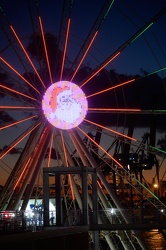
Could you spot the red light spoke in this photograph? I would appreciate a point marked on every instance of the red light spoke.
(19, 41)
(65, 48)
(17, 92)
(25, 80)
(111, 130)
(17, 107)
(113, 87)
(116, 110)
(101, 148)
(15, 123)
(18, 141)
(84, 56)
(23, 171)
(123, 46)
(45, 48)
(102, 67)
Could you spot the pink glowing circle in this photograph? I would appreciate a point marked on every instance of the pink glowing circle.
(64, 105)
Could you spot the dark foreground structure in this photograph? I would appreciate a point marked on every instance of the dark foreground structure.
(51, 238)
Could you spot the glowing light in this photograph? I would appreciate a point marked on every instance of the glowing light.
(45, 48)
(3, 60)
(17, 122)
(65, 48)
(102, 67)
(17, 142)
(17, 92)
(84, 55)
(111, 130)
(64, 105)
(114, 110)
(155, 185)
(22, 173)
(113, 87)
(118, 163)
(19, 41)
(17, 107)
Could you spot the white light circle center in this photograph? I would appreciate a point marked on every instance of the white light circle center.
(64, 105)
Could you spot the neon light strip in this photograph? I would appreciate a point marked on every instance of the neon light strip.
(19, 41)
(103, 66)
(45, 49)
(101, 148)
(84, 55)
(124, 83)
(20, 121)
(111, 130)
(154, 72)
(17, 107)
(64, 149)
(142, 32)
(19, 74)
(93, 33)
(22, 172)
(157, 149)
(108, 11)
(129, 41)
(137, 111)
(114, 110)
(113, 87)
(17, 92)
(17, 142)
(65, 48)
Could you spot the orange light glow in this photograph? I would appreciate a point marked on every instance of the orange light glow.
(99, 184)
(18, 141)
(14, 123)
(17, 107)
(111, 130)
(25, 80)
(17, 92)
(113, 87)
(45, 48)
(102, 67)
(65, 48)
(84, 56)
(115, 110)
(19, 41)
(23, 171)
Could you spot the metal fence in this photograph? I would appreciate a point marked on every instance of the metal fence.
(33, 220)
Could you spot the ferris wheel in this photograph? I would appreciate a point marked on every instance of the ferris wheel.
(65, 102)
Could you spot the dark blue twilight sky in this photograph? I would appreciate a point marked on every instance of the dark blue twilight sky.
(123, 20)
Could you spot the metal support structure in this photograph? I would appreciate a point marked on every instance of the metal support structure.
(58, 200)
(85, 196)
(58, 171)
(95, 211)
(110, 191)
(46, 199)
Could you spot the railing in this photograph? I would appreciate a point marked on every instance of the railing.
(33, 220)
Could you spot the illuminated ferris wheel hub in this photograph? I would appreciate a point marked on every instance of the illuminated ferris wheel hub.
(64, 105)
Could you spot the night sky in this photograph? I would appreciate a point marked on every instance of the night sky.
(123, 20)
